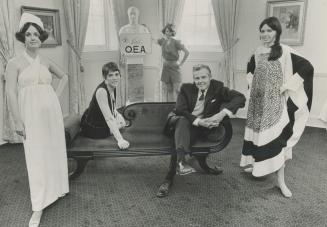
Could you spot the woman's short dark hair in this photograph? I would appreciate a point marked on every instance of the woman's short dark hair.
(109, 67)
(274, 24)
(20, 36)
(170, 27)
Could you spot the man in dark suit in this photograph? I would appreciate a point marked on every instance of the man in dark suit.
(200, 107)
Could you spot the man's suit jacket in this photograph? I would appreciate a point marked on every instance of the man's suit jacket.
(217, 98)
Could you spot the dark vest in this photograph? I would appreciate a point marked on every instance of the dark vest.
(93, 123)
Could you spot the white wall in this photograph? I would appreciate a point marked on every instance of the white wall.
(1, 103)
(315, 49)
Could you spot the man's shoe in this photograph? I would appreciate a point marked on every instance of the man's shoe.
(184, 169)
(216, 170)
(163, 190)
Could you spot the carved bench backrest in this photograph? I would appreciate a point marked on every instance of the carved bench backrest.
(148, 115)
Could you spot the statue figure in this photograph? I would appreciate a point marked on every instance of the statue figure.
(132, 43)
(133, 26)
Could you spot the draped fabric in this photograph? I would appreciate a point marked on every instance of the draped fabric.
(76, 16)
(275, 120)
(7, 132)
(170, 11)
(226, 15)
(120, 17)
(44, 146)
(120, 13)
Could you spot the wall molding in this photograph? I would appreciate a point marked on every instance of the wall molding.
(240, 71)
(151, 67)
(320, 75)
(314, 121)
(99, 56)
(202, 59)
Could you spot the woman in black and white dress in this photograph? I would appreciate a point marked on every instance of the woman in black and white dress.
(280, 83)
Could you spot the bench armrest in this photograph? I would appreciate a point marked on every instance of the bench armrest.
(228, 133)
(72, 127)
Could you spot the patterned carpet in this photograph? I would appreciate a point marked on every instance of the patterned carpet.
(121, 192)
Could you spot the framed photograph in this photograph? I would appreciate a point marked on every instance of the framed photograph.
(291, 15)
(51, 23)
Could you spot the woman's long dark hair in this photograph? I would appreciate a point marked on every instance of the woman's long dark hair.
(274, 24)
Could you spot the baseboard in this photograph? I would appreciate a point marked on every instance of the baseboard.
(316, 122)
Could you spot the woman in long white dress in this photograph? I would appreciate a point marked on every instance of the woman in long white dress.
(38, 117)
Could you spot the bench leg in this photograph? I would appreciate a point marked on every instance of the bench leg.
(202, 159)
(81, 163)
(166, 185)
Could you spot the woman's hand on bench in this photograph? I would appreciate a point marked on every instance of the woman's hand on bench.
(123, 144)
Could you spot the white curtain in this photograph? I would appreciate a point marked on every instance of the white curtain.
(226, 14)
(76, 16)
(120, 13)
(120, 16)
(170, 11)
(7, 25)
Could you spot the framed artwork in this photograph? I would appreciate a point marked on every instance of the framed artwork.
(51, 23)
(291, 15)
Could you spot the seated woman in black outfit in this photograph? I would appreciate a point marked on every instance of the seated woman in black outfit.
(101, 119)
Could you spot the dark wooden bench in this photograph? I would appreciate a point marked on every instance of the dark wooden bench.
(145, 133)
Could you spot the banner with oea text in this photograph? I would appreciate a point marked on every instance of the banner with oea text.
(135, 43)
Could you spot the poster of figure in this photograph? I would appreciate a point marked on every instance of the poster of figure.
(48, 23)
(51, 22)
(291, 14)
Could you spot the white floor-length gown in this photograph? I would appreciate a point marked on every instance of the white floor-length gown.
(45, 149)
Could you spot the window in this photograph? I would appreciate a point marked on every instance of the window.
(100, 24)
(198, 27)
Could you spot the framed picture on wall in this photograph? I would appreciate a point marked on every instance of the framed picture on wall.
(291, 15)
(51, 23)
